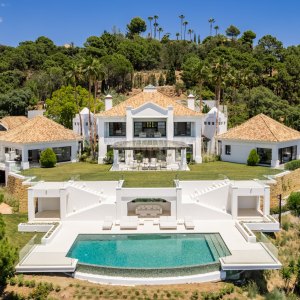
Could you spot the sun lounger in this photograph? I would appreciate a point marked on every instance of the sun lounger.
(189, 223)
(129, 223)
(167, 223)
(108, 223)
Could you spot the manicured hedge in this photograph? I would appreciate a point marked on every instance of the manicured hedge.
(292, 165)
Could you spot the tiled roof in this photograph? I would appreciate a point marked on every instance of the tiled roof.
(37, 130)
(144, 97)
(261, 128)
(11, 122)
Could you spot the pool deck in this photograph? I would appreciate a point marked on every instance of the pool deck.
(51, 257)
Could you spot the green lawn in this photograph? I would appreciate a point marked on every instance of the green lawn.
(17, 239)
(86, 171)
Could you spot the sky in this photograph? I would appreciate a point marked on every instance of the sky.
(66, 21)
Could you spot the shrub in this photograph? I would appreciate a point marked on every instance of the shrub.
(293, 203)
(252, 289)
(210, 158)
(48, 158)
(292, 165)
(13, 281)
(275, 295)
(8, 257)
(109, 157)
(42, 291)
(253, 158)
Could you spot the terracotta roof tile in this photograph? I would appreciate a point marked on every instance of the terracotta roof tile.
(11, 122)
(144, 97)
(37, 130)
(261, 128)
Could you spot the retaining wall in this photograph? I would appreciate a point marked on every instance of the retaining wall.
(285, 185)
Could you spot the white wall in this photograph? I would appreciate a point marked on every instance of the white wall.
(248, 202)
(85, 125)
(240, 150)
(48, 204)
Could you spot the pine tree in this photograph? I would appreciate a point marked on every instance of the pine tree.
(199, 41)
(161, 80)
(152, 80)
(171, 76)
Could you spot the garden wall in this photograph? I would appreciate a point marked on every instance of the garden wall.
(285, 185)
(16, 188)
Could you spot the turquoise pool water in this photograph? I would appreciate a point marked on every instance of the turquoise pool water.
(148, 251)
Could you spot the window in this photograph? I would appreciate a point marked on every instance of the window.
(117, 129)
(86, 123)
(208, 123)
(205, 123)
(287, 154)
(212, 123)
(62, 153)
(150, 129)
(182, 128)
(265, 156)
(228, 149)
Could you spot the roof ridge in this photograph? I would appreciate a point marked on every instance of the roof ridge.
(262, 117)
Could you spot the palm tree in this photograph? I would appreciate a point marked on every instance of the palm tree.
(177, 35)
(90, 69)
(98, 76)
(190, 31)
(200, 73)
(216, 28)
(185, 24)
(74, 74)
(160, 30)
(181, 23)
(219, 72)
(155, 28)
(155, 24)
(150, 21)
(211, 21)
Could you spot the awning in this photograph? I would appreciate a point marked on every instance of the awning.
(149, 145)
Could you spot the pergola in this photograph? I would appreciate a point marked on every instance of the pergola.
(150, 145)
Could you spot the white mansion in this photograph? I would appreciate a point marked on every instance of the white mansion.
(151, 130)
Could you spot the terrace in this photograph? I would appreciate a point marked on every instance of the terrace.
(205, 171)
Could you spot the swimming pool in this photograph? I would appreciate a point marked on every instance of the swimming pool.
(148, 251)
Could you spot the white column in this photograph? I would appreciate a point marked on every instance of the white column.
(116, 159)
(31, 208)
(197, 147)
(118, 203)
(74, 150)
(129, 124)
(266, 208)
(63, 203)
(102, 148)
(170, 123)
(234, 203)
(179, 202)
(25, 162)
(183, 159)
(275, 158)
(173, 209)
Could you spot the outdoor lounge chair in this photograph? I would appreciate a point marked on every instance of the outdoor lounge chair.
(129, 222)
(167, 222)
(108, 223)
(189, 223)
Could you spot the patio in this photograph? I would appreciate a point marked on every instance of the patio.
(152, 155)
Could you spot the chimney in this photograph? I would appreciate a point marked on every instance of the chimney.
(191, 102)
(108, 102)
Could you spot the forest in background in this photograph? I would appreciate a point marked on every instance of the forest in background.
(248, 78)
